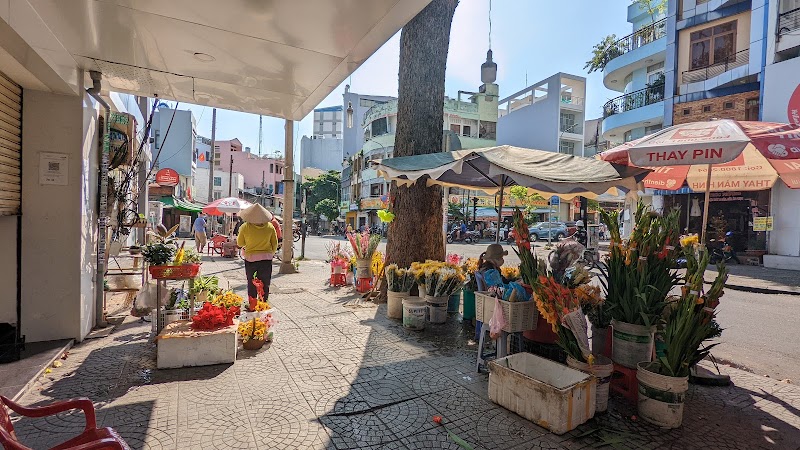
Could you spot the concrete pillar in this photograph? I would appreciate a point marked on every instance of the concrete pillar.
(288, 198)
(59, 221)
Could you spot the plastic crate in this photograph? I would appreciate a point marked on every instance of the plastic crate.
(625, 383)
(520, 316)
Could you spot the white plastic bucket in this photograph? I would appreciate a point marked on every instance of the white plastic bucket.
(602, 370)
(414, 314)
(437, 309)
(661, 397)
(631, 344)
(394, 304)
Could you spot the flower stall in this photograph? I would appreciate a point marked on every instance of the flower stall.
(339, 256)
(364, 246)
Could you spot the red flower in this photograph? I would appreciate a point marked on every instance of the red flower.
(253, 302)
(259, 287)
(437, 419)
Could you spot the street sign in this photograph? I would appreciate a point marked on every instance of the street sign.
(555, 200)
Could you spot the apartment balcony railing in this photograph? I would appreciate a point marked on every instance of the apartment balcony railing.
(573, 101)
(574, 129)
(633, 100)
(638, 38)
(788, 21)
(703, 73)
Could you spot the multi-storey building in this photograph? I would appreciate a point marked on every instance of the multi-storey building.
(781, 103)
(470, 121)
(230, 156)
(355, 106)
(547, 115)
(328, 122)
(637, 72)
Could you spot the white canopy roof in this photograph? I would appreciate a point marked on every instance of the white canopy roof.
(279, 58)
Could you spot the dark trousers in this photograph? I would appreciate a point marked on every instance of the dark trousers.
(263, 270)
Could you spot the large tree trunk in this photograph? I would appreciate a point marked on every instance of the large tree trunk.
(416, 232)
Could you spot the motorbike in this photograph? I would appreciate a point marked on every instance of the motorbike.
(722, 251)
(470, 237)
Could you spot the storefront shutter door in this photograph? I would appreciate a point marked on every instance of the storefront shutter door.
(10, 146)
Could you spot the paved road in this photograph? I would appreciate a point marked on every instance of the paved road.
(315, 248)
(760, 330)
(760, 333)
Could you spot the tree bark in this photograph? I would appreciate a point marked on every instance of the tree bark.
(416, 232)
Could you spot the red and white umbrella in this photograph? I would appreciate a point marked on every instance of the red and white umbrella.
(227, 205)
(718, 155)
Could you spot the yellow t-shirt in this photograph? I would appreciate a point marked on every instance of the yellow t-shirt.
(257, 238)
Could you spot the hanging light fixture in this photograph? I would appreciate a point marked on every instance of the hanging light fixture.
(349, 114)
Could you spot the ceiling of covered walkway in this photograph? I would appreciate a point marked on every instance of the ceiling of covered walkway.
(275, 57)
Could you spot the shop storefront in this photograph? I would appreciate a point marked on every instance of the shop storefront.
(732, 211)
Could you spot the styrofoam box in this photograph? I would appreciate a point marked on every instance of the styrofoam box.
(545, 392)
(198, 350)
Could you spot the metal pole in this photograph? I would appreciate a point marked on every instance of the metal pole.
(303, 227)
(288, 197)
(550, 221)
(262, 187)
(211, 159)
(260, 121)
(500, 210)
(230, 179)
(705, 206)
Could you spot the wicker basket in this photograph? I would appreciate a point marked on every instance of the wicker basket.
(520, 316)
(174, 272)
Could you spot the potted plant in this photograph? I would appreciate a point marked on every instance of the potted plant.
(689, 322)
(255, 332)
(470, 267)
(398, 285)
(204, 288)
(173, 310)
(638, 276)
(159, 255)
(560, 303)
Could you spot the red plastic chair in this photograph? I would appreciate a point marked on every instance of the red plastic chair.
(92, 438)
(215, 245)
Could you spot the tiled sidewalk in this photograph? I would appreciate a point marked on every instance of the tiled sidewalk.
(340, 378)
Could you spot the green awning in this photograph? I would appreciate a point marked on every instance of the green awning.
(181, 204)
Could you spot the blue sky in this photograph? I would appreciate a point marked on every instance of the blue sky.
(531, 39)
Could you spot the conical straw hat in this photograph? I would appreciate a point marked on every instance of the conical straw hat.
(256, 214)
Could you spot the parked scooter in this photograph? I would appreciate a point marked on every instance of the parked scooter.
(469, 237)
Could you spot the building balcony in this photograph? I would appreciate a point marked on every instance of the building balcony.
(573, 103)
(639, 49)
(720, 74)
(633, 110)
(787, 36)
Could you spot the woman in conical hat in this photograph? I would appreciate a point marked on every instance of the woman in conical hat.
(259, 240)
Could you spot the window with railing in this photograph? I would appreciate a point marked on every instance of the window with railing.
(703, 73)
(712, 45)
(788, 16)
(636, 99)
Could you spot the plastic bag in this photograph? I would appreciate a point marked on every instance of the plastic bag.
(497, 322)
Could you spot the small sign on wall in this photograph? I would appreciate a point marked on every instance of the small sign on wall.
(53, 168)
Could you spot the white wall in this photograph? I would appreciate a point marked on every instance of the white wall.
(781, 84)
(58, 222)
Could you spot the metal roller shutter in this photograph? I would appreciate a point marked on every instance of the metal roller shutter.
(10, 146)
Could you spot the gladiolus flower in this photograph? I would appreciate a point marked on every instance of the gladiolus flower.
(437, 419)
